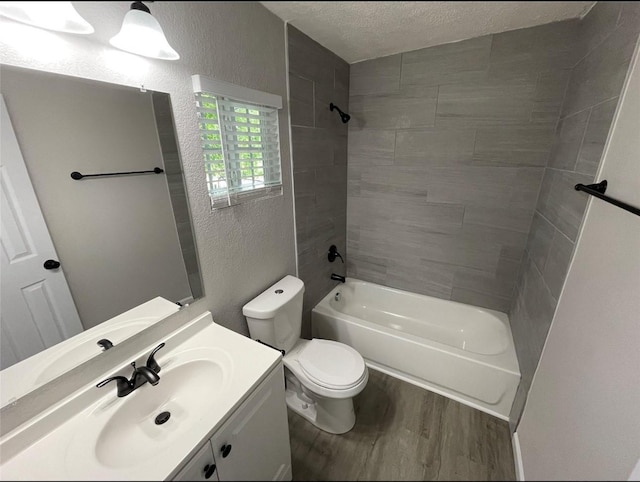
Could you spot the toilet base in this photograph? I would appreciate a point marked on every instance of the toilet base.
(335, 416)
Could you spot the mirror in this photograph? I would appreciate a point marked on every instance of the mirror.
(78, 255)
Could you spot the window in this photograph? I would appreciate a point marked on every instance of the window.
(240, 141)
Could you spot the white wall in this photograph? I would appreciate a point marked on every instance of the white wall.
(115, 237)
(582, 418)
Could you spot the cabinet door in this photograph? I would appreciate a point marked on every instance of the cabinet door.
(202, 466)
(254, 443)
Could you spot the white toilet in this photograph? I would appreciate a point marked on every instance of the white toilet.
(322, 376)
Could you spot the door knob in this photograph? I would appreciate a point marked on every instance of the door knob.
(51, 264)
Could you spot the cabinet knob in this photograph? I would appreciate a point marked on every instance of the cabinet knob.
(226, 450)
(209, 470)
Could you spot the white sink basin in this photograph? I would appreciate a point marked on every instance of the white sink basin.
(184, 392)
(120, 434)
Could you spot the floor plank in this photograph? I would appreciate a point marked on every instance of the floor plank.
(403, 432)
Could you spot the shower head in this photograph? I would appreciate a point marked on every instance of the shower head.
(344, 116)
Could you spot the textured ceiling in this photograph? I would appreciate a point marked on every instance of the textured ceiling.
(364, 30)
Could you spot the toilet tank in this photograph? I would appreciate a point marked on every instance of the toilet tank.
(275, 316)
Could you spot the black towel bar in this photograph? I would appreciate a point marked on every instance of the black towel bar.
(77, 176)
(598, 191)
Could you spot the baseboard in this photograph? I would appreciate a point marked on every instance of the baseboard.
(517, 456)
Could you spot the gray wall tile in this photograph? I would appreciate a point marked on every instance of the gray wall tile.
(319, 139)
(432, 278)
(309, 59)
(377, 76)
(597, 26)
(547, 101)
(471, 297)
(555, 269)
(560, 203)
(605, 44)
(569, 140)
(532, 320)
(630, 15)
(412, 106)
(371, 147)
(341, 75)
(340, 148)
(514, 219)
(515, 146)
(540, 238)
(599, 76)
(465, 61)
(301, 103)
(485, 103)
(433, 147)
(526, 52)
(389, 183)
(484, 186)
(595, 137)
(499, 282)
(311, 147)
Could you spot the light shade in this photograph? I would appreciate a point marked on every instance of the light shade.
(58, 16)
(142, 34)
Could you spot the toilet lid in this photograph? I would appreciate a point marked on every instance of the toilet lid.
(331, 364)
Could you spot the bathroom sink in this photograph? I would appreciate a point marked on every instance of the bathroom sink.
(206, 371)
(121, 432)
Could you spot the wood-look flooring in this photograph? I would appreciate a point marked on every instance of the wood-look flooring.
(403, 432)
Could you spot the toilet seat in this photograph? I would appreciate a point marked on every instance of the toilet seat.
(328, 368)
(331, 364)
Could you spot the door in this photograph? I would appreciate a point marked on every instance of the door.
(36, 307)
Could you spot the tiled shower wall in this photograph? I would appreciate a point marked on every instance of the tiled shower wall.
(318, 77)
(607, 37)
(447, 150)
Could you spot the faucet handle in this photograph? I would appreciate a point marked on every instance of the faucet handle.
(124, 385)
(151, 361)
(333, 254)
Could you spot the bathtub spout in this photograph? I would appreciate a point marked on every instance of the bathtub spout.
(337, 277)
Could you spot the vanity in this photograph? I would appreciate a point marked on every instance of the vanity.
(217, 413)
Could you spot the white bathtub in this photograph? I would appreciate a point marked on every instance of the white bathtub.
(460, 351)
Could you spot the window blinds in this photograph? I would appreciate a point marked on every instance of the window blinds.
(241, 148)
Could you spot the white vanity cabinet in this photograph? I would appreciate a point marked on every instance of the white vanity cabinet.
(252, 444)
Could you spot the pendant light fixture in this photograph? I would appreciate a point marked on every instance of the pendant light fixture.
(142, 34)
(58, 16)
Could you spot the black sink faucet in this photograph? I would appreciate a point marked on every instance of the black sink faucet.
(337, 277)
(140, 376)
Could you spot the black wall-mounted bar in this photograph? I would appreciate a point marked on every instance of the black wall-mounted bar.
(598, 191)
(75, 175)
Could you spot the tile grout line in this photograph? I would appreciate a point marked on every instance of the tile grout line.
(584, 136)
(590, 107)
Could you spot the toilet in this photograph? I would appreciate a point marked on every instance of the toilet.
(322, 376)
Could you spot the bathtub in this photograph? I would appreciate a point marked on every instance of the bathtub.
(460, 351)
